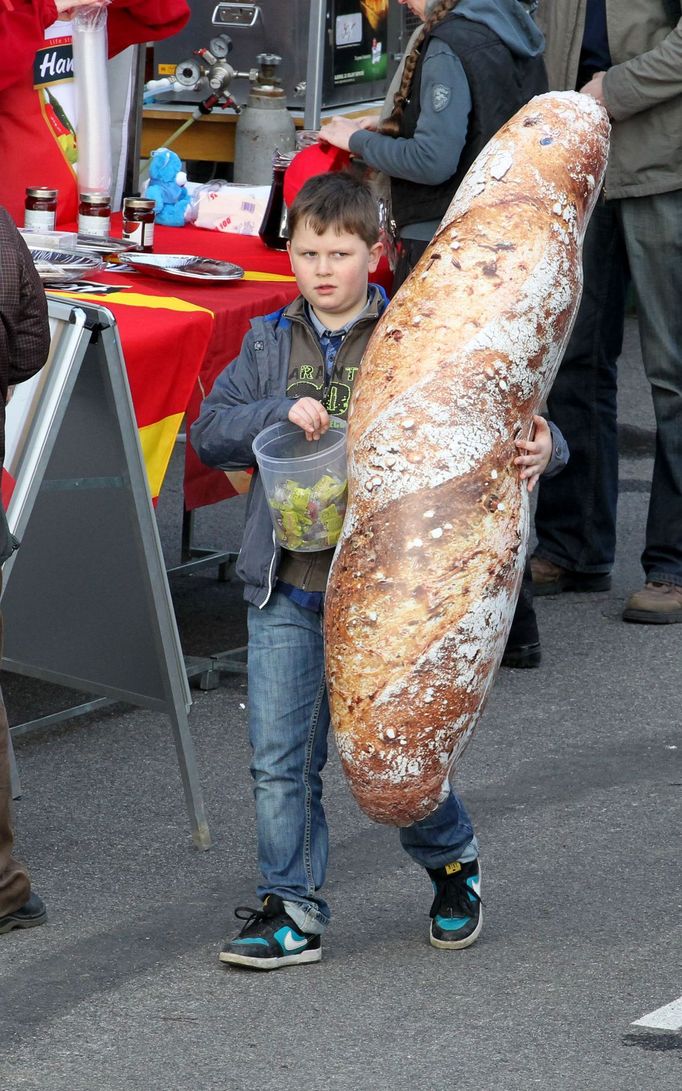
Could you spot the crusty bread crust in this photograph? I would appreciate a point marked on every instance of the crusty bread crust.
(426, 574)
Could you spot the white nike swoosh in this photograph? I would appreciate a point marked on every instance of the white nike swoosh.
(291, 944)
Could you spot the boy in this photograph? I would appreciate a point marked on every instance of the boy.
(299, 364)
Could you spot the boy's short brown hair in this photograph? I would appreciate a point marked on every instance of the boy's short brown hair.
(337, 200)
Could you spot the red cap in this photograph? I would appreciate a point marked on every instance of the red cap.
(316, 159)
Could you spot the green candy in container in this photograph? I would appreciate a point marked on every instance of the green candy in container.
(305, 483)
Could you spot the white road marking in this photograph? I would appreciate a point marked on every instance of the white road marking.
(666, 1018)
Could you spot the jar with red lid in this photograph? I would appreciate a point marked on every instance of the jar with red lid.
(40, 209)
(94, 214)
(138, 222)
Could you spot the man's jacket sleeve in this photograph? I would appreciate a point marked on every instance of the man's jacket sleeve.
(30, 328)
(560, 453)
(646, 80)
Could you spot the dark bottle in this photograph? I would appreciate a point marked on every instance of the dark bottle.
(273, 230)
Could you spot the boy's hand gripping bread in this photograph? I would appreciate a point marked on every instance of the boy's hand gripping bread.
(424, 581)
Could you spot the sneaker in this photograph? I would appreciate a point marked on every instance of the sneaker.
(270, 939)
(522, 655)
(456, 916)
(657, 603)
(552, 579)
(31, 914)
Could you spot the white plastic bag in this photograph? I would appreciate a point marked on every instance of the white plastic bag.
(226, 206)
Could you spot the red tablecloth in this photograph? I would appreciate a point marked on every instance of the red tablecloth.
(233, 306)
(177, 337)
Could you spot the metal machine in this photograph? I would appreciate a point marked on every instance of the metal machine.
(264, 126)
(362, 43)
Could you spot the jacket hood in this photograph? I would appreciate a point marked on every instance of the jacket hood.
(509, 19)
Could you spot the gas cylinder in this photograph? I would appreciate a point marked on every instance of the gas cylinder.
(263, 127)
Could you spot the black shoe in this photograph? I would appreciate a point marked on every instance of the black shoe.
(456, 916)
(31, 914)
(522, 655)
(270, 939)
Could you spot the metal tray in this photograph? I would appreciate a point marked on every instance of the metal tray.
(64, 265)
(185, 267)
(103, 244)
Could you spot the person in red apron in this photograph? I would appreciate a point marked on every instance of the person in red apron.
(37, 89)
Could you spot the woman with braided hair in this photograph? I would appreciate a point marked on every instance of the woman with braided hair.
(474, 64)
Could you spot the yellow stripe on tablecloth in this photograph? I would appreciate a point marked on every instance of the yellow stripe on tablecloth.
(157, 447)
(136, 299)
(251, 274)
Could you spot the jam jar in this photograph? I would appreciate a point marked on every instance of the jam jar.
(138, 222)
(40, 209)
(273, 230)
(94, 214)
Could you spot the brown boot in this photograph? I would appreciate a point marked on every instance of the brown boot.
(656, 604)
(551, 579)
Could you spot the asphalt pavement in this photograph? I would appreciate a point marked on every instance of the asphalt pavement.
(574, 781)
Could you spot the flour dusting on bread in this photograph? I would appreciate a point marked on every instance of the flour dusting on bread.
(425, 577)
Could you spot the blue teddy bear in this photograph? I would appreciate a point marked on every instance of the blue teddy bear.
(167, 187)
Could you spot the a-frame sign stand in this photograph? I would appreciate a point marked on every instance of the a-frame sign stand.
(86, 599)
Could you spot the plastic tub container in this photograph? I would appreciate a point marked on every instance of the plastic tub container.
(305, 483)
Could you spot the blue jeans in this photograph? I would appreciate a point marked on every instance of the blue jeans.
(638, 239)
(288, 727)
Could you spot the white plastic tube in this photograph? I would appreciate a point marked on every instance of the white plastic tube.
(92, 95)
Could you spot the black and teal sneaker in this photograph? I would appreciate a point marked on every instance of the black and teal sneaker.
(270, 939)
(456, 911)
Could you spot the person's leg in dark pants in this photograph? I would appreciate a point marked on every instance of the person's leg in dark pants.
(652, 228)
(575, 518)
(18, 907)
(523, 642)
(15, 886)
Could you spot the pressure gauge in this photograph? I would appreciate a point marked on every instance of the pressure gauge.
(220, 46)
(188, 73)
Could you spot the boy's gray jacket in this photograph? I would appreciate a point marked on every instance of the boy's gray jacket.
(247, 396)
(643, 89)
